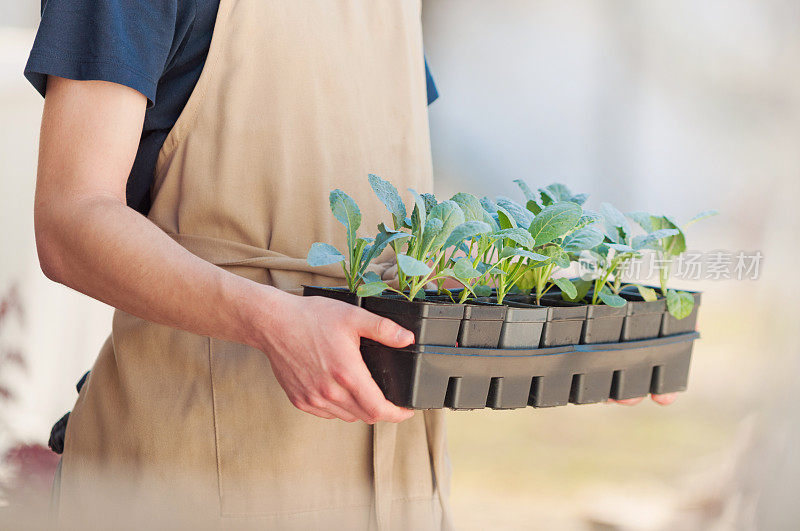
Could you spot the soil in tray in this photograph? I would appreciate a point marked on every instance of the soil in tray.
(643, 319)
(340, 294)
(433, 323)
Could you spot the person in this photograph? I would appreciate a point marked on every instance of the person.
(186, 154)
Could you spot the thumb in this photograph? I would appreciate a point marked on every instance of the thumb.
(382, 330)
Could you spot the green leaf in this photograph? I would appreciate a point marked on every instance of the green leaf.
(561, 259)
(566, 286)
(432, 230)
(701, 216)
(583, 239)
(527, 281)
(451, 215)
(617, 226)
(464, 270)
(517, 235)
(381, 241)
(390, 197)
(609, 299)
(467, 230)
(489, 220)
(648, 294)
(322, 254)
(489, 205)
(643, 219)
(673, 245)
(420, 213)
(412, 267)
(370, 276)
(533, 206)
(470, 205)
(372, 289)
(679, 303)
(505, 218)
(582, 289)
(529, 194)
(620, 247)
(589, 217)
(430, 202)
(482, 290)
(558, 191)
(645, 240)
(521, 215)
(514, 251)
(554, 221)
(346, 211)
(579, 199)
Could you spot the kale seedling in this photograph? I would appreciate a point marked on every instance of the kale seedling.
(435, 228)
(679, 303)
(360, 251)
(617, 249)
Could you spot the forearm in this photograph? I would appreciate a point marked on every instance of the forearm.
(102, 248)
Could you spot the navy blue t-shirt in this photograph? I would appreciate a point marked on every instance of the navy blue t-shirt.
(157, 47)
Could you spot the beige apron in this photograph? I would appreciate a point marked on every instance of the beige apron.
(297, 97)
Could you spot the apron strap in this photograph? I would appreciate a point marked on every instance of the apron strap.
(228, 253)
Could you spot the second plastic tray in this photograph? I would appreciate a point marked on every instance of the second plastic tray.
(433, 377)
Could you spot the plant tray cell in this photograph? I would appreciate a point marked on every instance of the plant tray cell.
(643, 319)
(431, 377)
(432, 323)
(481, 325)
(603, 324)
(522, 327)
(671, 326)
(340, 294)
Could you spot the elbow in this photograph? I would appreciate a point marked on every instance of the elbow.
(50, 252)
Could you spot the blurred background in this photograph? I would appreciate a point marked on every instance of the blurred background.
(673, 107)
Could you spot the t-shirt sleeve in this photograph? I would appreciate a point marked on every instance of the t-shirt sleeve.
(433, 93)
(121, 41)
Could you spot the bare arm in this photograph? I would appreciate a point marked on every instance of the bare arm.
(88, 239)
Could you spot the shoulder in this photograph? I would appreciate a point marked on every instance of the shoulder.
(112, 40)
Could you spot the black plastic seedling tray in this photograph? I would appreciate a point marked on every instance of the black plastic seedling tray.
(340, 294)
(433, 323)
(433, 377)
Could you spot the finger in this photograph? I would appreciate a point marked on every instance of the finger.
(335, 411)
(320, 413)
(370, 397)
(382, 330)
(343, 400)
(665, 399)
(629, 401)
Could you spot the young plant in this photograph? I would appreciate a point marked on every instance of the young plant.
(562, 228)
(360, 251)
(435, 228)
(679, 303)
(542, 251)
(617, 249)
